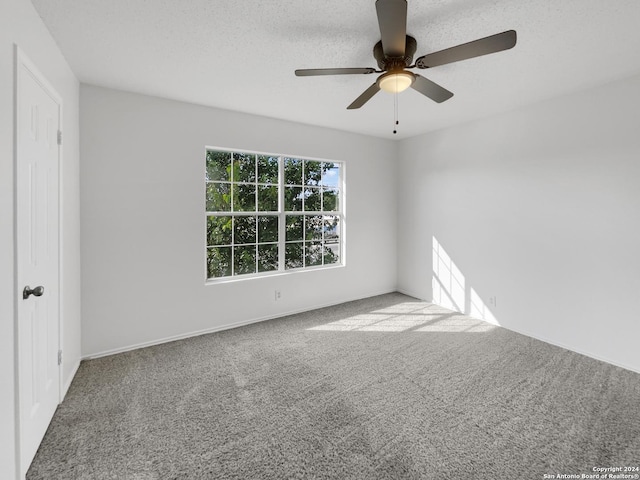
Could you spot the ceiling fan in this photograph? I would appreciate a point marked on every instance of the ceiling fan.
(394, 54)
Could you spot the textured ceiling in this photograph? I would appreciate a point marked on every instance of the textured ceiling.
(241, 55)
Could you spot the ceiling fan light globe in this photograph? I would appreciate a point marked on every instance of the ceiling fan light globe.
(396, 82)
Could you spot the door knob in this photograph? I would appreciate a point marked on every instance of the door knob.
(37, 292)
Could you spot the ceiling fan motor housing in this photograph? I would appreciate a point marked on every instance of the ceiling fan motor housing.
(395, 63)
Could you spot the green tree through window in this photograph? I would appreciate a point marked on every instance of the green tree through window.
(270, 213)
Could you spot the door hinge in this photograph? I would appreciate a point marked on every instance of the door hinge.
(59, 357)
(59, 137)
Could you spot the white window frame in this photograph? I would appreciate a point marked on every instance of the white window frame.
(281, 214)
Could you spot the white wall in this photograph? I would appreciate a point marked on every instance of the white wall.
(143, 224)
(538, 208)
(20, 24)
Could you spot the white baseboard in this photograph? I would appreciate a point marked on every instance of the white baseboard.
(228, 326)
(566, 347)
(67, 384)
(315, 307)
(575, 350)
(410, 293)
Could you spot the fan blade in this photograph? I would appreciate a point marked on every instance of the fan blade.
(392, 20)
(365, 97)
(492, 44)
(311, 72)
(430, 89)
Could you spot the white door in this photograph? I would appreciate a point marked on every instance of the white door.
(37, 216)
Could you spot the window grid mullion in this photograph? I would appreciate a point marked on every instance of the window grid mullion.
(255, 207)
(304, 217)
(233, 219)
(282, 227)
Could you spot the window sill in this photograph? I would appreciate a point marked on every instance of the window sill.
(255, 276)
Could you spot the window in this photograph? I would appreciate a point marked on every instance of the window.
(271, 213)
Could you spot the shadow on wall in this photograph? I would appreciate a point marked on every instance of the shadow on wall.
(449, 289)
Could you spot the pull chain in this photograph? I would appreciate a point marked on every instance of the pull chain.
(395, 112)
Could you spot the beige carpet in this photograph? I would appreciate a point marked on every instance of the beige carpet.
(383, 388)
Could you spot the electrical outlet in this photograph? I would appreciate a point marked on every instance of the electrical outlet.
(277, 295)
(493, 301)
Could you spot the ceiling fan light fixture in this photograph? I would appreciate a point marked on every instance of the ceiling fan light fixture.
(396, 82)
